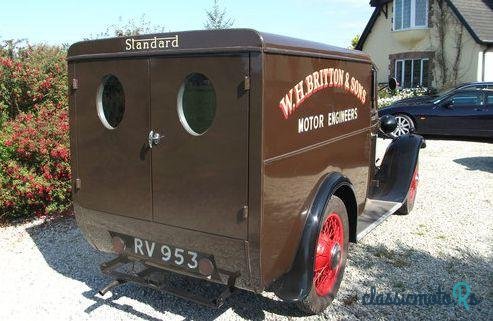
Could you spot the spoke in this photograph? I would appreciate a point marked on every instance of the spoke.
(331, 233)
(323, 274)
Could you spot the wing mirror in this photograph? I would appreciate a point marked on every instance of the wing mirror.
(392, 83)
(388, 124)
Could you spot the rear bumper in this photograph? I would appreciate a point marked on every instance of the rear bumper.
(230, 255)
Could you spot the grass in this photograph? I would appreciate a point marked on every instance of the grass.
(422, 230)
(399, 260)
(350, 300)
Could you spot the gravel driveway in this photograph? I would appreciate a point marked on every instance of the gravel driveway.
(49, 272)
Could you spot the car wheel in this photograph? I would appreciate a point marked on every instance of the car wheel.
(405, 125)
(408, 204)
(330, 258)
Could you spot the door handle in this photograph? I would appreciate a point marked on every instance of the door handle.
(479, 109)
(154, 138)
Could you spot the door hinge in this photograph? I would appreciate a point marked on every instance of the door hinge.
(78, 184)
(75, 84)
(244, 213)
(375, 183)
(246, 83)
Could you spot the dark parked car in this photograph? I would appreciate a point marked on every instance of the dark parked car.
(466, 110)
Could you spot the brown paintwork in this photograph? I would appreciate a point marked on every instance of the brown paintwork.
(112, 172)
(294, 163)
(188, 191)
(184, 167)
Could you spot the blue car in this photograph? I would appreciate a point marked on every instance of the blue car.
(466, 110)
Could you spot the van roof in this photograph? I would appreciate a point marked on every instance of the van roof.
(207, 41)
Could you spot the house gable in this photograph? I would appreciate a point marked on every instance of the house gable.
(421, 55)
(475, 15)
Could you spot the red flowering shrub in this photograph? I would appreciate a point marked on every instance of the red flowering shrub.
(34, 142)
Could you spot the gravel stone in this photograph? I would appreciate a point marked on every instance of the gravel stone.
(49, 272)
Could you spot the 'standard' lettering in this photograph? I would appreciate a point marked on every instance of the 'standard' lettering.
(152, 43)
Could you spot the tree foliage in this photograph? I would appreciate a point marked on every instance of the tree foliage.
(354, 41)
(132, 27)
(217, 18)
(34, 141)
(447, 28)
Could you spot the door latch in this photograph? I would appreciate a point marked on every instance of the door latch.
(75, 84)
(246, 83)
(154, 138)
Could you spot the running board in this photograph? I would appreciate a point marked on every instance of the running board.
(142, 278)
(375, 212)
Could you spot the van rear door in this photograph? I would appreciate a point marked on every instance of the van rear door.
(112, 115)
(200, 166)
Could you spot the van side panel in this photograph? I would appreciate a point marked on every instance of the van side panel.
(316, 121)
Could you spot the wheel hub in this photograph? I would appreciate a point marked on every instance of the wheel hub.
(335, 256)
(404, 125)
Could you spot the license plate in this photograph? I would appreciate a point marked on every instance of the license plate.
(165, 254)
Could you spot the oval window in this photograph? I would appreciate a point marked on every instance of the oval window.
(196, 104)
(111, 102)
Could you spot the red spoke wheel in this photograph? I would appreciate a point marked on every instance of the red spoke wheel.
(330, 257)
(328, 254)
(408, 204)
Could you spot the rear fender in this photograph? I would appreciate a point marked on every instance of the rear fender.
(296, 284)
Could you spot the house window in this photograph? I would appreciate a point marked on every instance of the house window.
(409, 14)
(411, 73)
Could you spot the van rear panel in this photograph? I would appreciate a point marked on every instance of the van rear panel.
(196, 181)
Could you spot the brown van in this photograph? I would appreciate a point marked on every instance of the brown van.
(238, 157)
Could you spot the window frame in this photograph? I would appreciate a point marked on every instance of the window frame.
(401, 77)
(478, 93)
(181, 109)
(413, 16)
(102, 108)
(487, 93)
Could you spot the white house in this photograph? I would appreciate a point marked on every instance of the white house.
(437, 43)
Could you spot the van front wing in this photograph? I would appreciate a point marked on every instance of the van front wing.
(391, 182)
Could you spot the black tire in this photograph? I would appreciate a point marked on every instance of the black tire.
(314, 303)
(408, 204)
